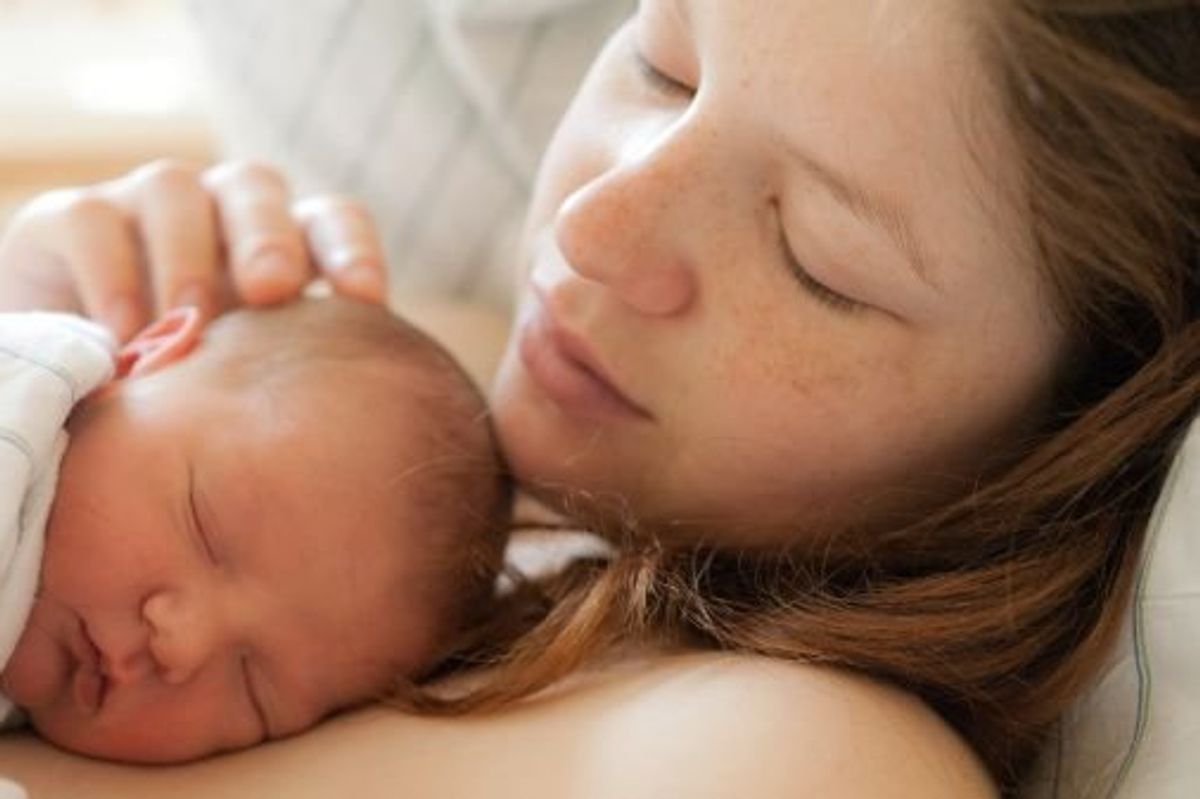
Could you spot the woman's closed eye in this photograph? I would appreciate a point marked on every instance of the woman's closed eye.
(818, 290)
(657, 79)
(810, 284)
(664, 84)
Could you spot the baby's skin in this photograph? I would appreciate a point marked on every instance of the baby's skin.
(232, 553)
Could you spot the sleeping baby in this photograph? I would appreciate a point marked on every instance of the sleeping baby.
(252, 525)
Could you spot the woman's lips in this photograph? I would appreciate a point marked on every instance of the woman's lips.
(563, 366)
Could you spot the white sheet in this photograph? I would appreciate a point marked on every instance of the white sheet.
(1136, 735)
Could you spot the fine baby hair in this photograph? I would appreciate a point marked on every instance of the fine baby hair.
(464, 495)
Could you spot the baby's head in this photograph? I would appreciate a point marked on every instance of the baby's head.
(254, 534)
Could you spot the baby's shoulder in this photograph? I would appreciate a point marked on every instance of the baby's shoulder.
(732, 725)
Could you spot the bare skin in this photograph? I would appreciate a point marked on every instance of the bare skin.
(628, 729)
(634, 732)
(812, 342)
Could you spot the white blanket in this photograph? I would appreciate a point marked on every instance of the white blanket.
(48, 362)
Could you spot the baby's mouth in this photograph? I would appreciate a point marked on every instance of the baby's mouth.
(88, 685)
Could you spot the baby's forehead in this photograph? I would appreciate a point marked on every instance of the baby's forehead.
(388, 405)
(354, 375)
(288, 351)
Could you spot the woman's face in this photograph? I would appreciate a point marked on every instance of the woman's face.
(775, 275)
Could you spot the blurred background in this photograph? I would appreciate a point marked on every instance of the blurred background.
(89, 88)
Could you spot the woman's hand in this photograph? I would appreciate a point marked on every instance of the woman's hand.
(169, 234)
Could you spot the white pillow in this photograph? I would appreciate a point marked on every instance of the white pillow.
(1136, 735)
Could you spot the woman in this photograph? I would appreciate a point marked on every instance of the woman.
(856, 364)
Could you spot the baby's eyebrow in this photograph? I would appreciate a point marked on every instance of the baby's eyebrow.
(870, 209)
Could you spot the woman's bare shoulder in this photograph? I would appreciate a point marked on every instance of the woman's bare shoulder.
(696, 725)
(724, 725)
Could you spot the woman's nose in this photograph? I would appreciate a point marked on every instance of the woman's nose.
(635, 230)
(185, 632)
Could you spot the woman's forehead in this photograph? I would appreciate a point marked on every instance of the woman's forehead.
(883, 24)
(872, 71)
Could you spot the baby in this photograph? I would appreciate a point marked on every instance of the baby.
(253, 525)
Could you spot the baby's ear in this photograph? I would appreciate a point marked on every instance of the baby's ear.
(160, 344)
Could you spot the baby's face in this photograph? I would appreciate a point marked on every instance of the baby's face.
(221, 568)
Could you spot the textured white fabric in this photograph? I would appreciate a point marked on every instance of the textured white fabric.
(434, 112)
(1136, 735)
(48, 362)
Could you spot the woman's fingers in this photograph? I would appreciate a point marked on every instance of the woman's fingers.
(264, 245)
(169, 234)
(180, 236)
(344, 242)
(97, 241)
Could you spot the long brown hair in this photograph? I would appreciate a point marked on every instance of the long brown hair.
(999, 608)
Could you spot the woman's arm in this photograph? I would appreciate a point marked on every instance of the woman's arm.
(695, 726)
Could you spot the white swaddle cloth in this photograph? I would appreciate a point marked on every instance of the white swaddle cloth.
(48, 362)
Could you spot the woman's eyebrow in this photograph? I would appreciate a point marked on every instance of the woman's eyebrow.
(871, 210)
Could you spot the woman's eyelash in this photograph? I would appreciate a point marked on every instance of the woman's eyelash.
(815, 288)
(824, 294)
(838, 302)
(659, 79)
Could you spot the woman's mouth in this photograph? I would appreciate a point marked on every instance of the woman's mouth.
(564, 367)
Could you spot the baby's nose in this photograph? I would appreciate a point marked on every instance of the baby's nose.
(184, 634)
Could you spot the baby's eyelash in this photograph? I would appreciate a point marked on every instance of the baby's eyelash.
(197, 525)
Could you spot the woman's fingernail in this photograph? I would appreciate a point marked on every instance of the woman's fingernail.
(363, 279)
(270, 277)
(271, 264)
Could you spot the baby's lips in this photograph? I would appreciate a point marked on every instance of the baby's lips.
(88, 683)
(87, 687)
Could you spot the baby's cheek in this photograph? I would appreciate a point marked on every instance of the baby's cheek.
(151, 724)
(37, 672)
